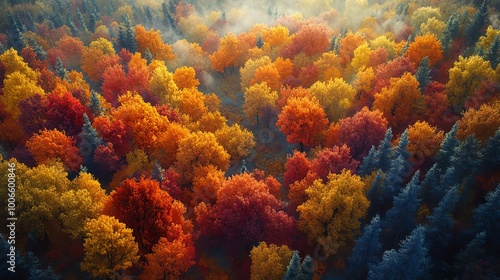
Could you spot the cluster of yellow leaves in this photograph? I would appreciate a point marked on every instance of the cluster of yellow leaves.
(227, 54)
(199, 149)
(235, 140)
(206, 182)
(257, 97)
(185, 77)
(269, 261)
(466, 76)
(163, 86)
(336, 96)
(482, 123)
(109, 247)
(424, 140)
(400, 100)
(331, 214)
(485, 41)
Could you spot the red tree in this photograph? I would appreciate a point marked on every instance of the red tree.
(296, 168)
(245, 212)
(149, 211)
(64, 113)
(333, 160)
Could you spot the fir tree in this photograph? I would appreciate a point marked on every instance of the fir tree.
(157, 172)
(401, 218)
(447, 148)
(3, 48)
(471, 253)
(423, 74)
(450, 31)
(90, 141)
(31, 22)
(92, 22)
(366, 251)
(307, 268)
(16, 40)
(260, 42)
(81, 20)
(40, 52)
(95, 104)
(293, 269)
(492, 55)
(446, 181)
(369, 164)
(384, 151)
(148, 55)
(402, 150)
(410, 262)
(491, 153)
(126, 36)
(406, 46)
(395, 176)
(60, 70)
(486, 217)
(479, 19)
(431, 181)
(441, 221)
(466, 160)
(377, 191)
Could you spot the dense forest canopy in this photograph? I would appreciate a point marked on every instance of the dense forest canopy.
(307, 139)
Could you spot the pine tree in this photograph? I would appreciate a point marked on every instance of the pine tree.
(492, 55)
(491, 152)
(401, 218)
(81, 20)
(60, 70)
(293, 269)
(410, 262)
(377, 191)
(384, 151)
(486, 217)
(366, 251)
(369, 163)
(260, 42)
(307, 268)
(467, 160)
(31, 22)
(395, 176)
(431, 181)
(447, 148)
(40, 52)
(95, 104)
(90, 141)
(126, 36)
(446, 181)
(92, 22)
(479, 19)
(407, 45)
(450, 31)
(441, 221)
(157, 172)
(471, 253)
(148, 55)
(402, 150)
(423, 74)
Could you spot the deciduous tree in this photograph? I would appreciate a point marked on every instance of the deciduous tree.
(269, 261)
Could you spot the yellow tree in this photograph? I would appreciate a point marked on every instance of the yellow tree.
(235, 140)
(38, 196)
(207, 181)
(192, 104)
(247, 72)
(109, 247)
(14, 62)
(361, 57)
(328, 66)
(163, 86)
(401, 101)
(17, 87)
(269, 261)
(267, 74)
(482, 123)
(258, 97)
(336, 96)
(83, 202)
(466, 76)
(424, 140)
(199, 149)
(331, 214)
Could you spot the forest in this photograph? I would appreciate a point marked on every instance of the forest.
(266, 139)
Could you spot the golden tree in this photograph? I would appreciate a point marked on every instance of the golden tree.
(258, 97)
(109, 247)
(331, 214)
(269, 261)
